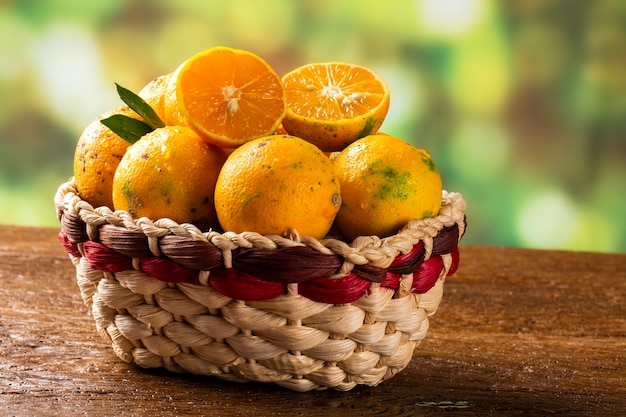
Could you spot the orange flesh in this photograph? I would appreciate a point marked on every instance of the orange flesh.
(232, 95)
(333, 91)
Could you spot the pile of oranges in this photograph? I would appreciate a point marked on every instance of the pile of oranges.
(225, 143)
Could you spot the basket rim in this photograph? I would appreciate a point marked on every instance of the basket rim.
(371, 250)
(249, 266)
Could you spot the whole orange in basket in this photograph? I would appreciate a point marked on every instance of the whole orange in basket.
(160, 94)
(154, 93)
(97, 154)
(385, 182)
(170, 172)
(333, 104)
(277, 183)
(229, 96)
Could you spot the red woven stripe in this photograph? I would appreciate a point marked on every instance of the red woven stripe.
(426, 276)
(456, 259)
(166, 270)
(104, 259)
(409, 262)
(241, 286)
(392, 280)
(423, 279)
(400, 259)
(334, 290)
(70, 247)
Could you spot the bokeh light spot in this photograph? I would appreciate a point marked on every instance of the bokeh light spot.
(407, 101)
(481, 148)
(480, 83)
(548, 220)
(450, 18)
(70, 71)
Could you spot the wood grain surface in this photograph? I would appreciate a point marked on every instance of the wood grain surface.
(519, 332)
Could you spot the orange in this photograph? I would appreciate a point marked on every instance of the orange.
(97, 154)
(170, 172)
(385, 182)
(229, 96)
(154, 94)
(274, 184)
(172, 114)
(333, 104)
(160, 94)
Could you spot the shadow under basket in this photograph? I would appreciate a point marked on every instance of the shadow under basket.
(302, 313)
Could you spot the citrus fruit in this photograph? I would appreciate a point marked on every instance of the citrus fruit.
(273, 184)
(172, 114)
(154, 94)
(160, 94)
(385, 182)
(333, 104)
(97, 154)
(229, 96)
(170, 172)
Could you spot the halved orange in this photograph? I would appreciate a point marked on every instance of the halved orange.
(229, 96)
(333, 104)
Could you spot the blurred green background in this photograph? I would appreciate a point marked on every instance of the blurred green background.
(522, 104)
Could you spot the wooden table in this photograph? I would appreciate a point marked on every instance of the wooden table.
(519, 332)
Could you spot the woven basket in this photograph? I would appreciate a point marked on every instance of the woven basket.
(298, 312)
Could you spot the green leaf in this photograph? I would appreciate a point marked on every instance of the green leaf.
(129, 129)
(140, 107)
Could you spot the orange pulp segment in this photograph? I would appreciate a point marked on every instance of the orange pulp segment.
(230, 96)
(333, 104)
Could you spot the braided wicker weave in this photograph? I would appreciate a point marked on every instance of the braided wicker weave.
(301, 313)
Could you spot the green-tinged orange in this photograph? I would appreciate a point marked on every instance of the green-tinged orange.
(385, 182)
(169, 173)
